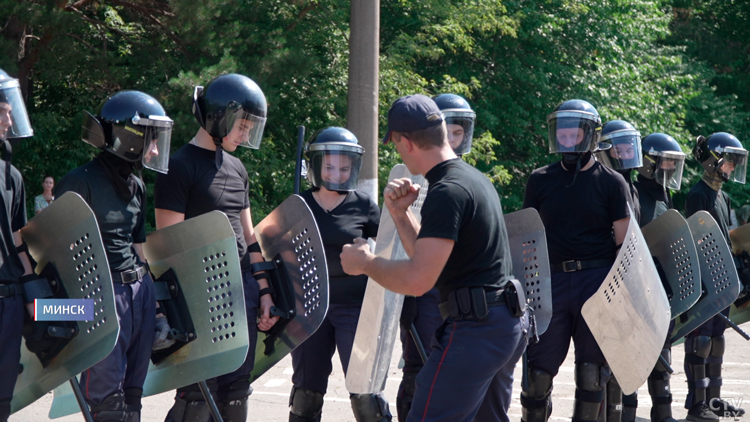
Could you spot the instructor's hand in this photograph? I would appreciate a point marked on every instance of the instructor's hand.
(266, 321)
(354, 256)
(399, 194)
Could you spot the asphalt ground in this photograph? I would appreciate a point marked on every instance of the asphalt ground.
(269, 401)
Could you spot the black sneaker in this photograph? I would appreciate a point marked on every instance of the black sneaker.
(701, 413)
(723, 409)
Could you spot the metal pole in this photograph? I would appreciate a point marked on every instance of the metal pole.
(362, 114)
(81, 400)
(210, 400)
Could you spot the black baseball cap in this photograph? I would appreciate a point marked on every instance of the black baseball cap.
(413, 112)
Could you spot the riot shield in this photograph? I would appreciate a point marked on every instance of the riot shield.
(720, 284)
(672, 247)
(528, 249)
(629, 314)
(381, 308)
(291, 243)
(65, 237)
(202, 252)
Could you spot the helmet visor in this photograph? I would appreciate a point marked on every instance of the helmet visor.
(668, 168)
(335, 167)
(571, 131)
(734, 164)
(14, 122)
(244, 129)
(156, 142)
(625, 152)
(460, 125)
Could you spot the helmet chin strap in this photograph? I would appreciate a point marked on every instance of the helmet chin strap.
(218, 156)
(570, 158)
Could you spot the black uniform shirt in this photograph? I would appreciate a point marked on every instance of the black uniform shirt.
(12, 219)
(356, 216)
(655, 200)
(463, 206)
(121, 222)
(578, 219)
(702, 198)
(194, 187)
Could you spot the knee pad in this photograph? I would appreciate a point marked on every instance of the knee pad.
(133, 403)
(700, 346)
(111, 409)
(535, 397)
(370, 408)
(305, 405)
(405, 395)
(614, 401)
(189, 406)
(591, 378)
(718, 344)
(667, 355)
(233, 406)
(629, 407)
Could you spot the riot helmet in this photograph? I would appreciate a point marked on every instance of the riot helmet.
(574, 126)
(663, 160)
(459, 119)
(723, 154)
(230, 103)
(14, 121)
(620, 146)
(334, 159)
(133, 126)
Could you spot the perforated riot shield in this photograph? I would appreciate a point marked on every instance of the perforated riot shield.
(290, 239)
(528, 249)
(720, 285)
(202, 252)
(629, 314)
(381, 308)
(65, 240)
(672, 247)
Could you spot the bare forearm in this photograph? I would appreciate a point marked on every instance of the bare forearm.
(398, 276)
(408, 229)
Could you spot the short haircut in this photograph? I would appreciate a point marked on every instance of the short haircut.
(424, 139)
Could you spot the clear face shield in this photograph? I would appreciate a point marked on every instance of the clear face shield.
(14, 122)
(733, 164)
(460, 124)
(157, 139)
(570, 131)
(334, 166)
(668, 166)
(622, 151)
(246, 129)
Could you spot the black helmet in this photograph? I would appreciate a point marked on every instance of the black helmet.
(227, 99)
(663, 160)
(458, 113)
(574, 114)
(722, 153)
(325, 167)
(620, 146)
(14, 121)
(133, 126)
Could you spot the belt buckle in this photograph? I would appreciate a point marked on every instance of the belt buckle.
(568, 268)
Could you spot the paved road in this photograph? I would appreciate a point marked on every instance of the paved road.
(269, 402)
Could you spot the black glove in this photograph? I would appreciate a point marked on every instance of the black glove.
(409, 311)
(47, 338)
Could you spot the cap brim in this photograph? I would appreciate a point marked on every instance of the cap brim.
(386, 137)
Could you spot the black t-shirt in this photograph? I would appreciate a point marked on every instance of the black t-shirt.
(194, 187)
(578, 219)
(12, 219)
(356, 216)
(121, 222)
(702, 198)
(655, 200)
(463, 206)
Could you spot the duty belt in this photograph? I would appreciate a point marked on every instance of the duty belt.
(8, 290)
(471, 302)
(572, 266)
(129, 276)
